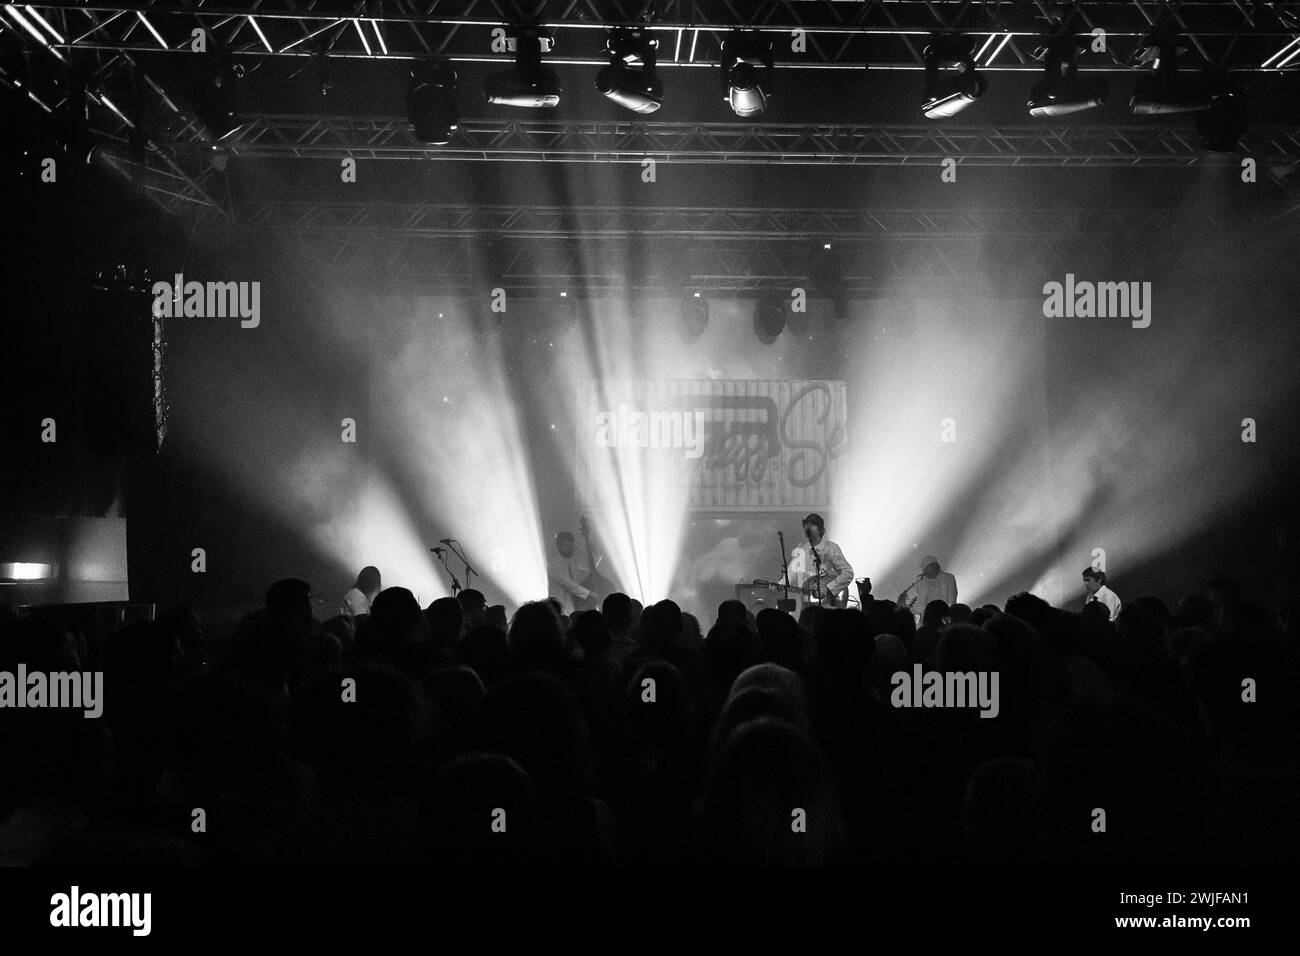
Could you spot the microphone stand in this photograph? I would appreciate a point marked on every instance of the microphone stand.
(911, 587)
(784, 604)
(817, 563)
(458, 552)
(442, 556)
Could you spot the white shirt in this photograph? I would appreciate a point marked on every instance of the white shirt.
(941, 587)
(1107, 597)
(562, 576)
(837, 573)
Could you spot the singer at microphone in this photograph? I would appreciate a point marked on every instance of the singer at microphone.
(820, 565)
(932, 584)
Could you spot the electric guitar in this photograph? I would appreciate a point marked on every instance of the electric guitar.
(827, 599)
(594, 581)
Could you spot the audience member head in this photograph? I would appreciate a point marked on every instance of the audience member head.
(446, 620)
(731, 612)
(773, 677)
(397, 631)
(368, 582)
(1094, 612)
(764, 768)
(888, 657)
(592, 634)
(936, 614)
(669, 718)
(617, 608)
(779, 638)
(965, 647)
(1093, 579)
(660, 626)
(473, 606)
(536, 638)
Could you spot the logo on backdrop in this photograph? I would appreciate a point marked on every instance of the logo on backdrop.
(745, 444)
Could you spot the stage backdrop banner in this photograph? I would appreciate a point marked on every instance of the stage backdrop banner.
(735, 445)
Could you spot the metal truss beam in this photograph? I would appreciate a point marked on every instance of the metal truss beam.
(164, 176)
(885, 34)
(332, 137)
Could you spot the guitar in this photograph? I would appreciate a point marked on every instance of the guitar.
(828, 598)
(594, 581)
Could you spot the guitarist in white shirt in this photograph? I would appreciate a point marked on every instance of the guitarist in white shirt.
(824, 555)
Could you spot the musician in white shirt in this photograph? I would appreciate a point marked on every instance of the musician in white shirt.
(1094, 583)
(564, 571)
(836, 572)
(932, 584)
(358, 598)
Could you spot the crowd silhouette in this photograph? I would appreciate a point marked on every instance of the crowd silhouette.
(631, 736)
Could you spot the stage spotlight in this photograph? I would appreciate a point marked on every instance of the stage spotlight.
(948, 93)
(769, 318)
(1224, 123)
(529, 84)
(693, 317)
(1165, 90)
(213, 95)
(628, 84)
(744, 87)
(1062, 91)
(431, 102)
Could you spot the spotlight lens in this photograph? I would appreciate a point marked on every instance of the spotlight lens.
(746, 97)
(536, 90)
(1065, 97)
(630, 89)
(952, 96)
